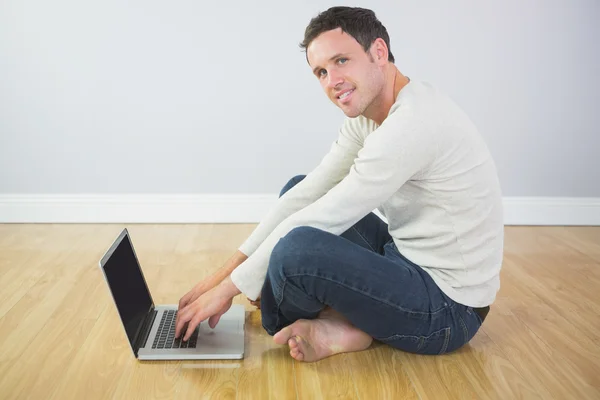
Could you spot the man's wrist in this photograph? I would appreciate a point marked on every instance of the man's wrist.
(229, 287)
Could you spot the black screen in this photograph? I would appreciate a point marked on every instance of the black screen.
(128, 287)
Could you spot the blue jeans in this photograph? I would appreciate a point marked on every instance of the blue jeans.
(362, 275)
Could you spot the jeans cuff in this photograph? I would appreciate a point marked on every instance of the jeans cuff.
(269, 331)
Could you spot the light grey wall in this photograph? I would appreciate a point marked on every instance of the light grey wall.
(216, 97)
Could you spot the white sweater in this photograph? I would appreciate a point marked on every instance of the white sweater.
(427, 170)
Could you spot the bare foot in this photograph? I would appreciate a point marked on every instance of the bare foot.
(329, 334)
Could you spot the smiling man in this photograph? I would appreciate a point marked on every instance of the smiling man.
(331, 275)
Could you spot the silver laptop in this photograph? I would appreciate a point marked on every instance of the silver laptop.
(150, 329)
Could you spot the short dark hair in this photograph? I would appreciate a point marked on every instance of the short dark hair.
(360, 23)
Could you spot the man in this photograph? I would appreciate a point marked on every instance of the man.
(330, 274)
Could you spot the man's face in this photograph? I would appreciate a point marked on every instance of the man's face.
(349, 76)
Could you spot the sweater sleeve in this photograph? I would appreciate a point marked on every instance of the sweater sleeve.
(391, 154)
(330, 171)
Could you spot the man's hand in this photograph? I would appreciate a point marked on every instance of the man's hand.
(197, 291)
(208, 283)
(210, 305)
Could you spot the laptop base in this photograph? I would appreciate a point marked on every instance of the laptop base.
(225, 342)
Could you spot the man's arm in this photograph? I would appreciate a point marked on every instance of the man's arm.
(391, 155)
(334, 166)
(234, 261)
(330, 171)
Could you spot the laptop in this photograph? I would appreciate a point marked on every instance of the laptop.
(150, 328)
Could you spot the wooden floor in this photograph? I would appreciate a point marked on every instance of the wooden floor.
(60, 336)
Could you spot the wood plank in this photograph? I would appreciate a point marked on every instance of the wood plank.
(19, 277)
(150, 380)
(580, 354)
(477, 370)
(102, 362)
(22, 324)
(41, 365)
(333, 375)
(208, 380)
(378, 374)
(585, 239)
(427, 375)
(325, 379)
(544, 367)
(557, 261)
(308, 384)
(268, 369)
(559, 297)
(490, 372)
(30, 256)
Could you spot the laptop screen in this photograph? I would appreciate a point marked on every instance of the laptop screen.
(128, 286)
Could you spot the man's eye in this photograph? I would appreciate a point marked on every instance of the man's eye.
(322, 73)
(342, 60)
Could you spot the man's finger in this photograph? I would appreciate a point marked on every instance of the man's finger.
(177, 319)
(191, 327)
(184, 301)
(182, 318)
(214, 320)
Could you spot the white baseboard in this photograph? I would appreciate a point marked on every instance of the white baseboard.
(552, 211)
(250, 208)
(144, 208)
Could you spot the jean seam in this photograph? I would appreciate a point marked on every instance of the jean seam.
(478, 318)
(278, 302)
(464, 328)
(423, 339)
(423, 313)
(446, 340)
(363, 238)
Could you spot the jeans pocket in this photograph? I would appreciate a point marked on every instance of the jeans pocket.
(435, 343)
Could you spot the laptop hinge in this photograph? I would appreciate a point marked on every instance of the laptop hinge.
(142, 337)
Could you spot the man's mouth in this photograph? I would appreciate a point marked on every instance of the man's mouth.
(344, 96)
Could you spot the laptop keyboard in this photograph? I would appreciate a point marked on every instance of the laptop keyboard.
(165, 336)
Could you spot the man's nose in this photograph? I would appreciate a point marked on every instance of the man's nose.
(334, 79)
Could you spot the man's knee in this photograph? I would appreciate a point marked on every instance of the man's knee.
(296, 239)
(290, 249)
(291, 183)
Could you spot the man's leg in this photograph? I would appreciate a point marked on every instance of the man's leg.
(370, 232)
(384, 296)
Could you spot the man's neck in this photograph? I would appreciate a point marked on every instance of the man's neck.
(380, 108)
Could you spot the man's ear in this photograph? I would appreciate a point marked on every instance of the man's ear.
(380, 51)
